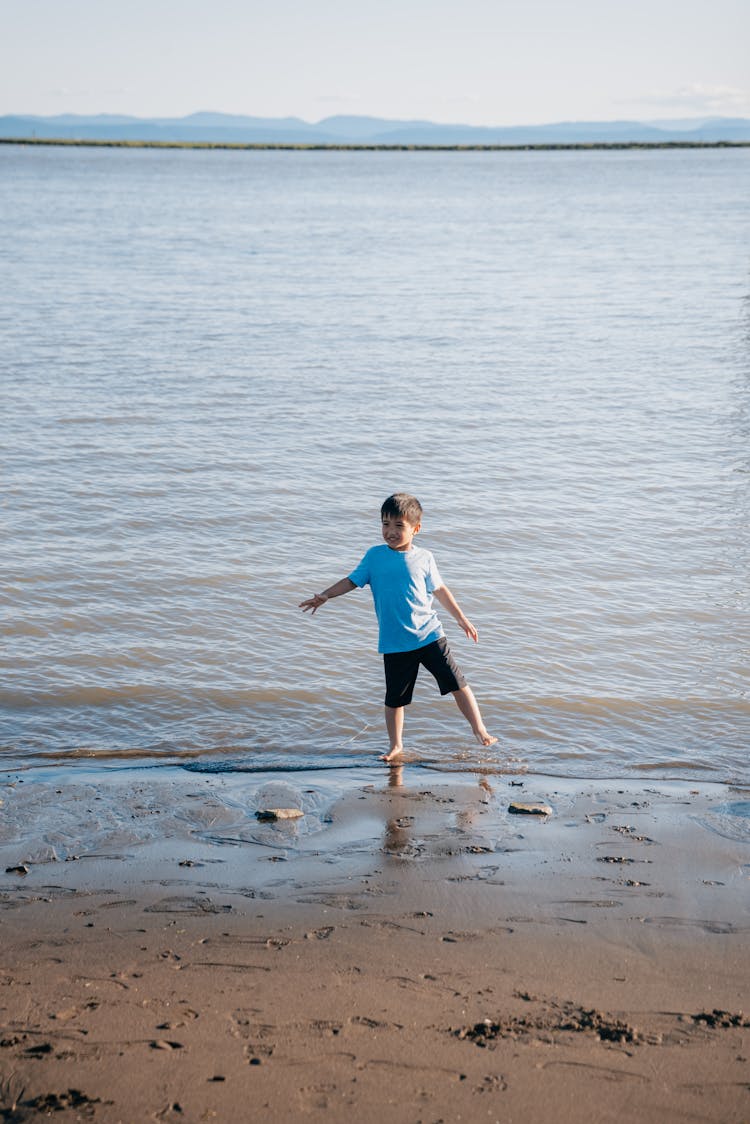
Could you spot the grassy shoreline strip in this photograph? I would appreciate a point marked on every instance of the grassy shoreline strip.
(583, 146)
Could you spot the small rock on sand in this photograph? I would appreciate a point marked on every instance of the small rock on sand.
(279, 814)
(521, 809)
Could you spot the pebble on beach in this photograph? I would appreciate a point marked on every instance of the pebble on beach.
(522, 809)
(270, 814)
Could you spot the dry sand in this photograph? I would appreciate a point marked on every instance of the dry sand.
(406, 951)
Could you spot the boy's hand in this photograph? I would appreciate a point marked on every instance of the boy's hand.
(336, 590)
(469, 629)
(313, 603)
(446, 598)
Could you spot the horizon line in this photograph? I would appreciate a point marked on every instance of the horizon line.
(549, 146)
(696, 116)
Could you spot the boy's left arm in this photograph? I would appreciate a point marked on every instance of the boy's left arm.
(448, 601)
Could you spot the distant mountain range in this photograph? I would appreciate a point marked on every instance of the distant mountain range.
(224, 128)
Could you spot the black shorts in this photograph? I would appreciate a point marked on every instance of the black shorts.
(402, 668)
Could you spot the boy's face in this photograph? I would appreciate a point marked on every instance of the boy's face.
(398, 531)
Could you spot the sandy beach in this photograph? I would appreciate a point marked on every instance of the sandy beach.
(407, 949)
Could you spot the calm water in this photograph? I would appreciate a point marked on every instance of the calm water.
(214, 367)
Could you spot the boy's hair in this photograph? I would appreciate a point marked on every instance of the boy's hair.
(403, 505)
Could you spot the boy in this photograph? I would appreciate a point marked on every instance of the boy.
(404, 579)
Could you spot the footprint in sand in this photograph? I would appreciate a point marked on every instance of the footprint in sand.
(319, 934)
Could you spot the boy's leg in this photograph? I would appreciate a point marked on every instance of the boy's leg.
(467, 704)
(394, 724)
(438, 659)
(401, 669)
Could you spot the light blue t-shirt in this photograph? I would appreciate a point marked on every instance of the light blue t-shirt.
(402, 584)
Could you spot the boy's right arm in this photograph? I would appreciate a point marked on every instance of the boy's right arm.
(335, 590)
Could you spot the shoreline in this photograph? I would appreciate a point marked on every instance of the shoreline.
(408, 946)
(99, 763)
(573, 146)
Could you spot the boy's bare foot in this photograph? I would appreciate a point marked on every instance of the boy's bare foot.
(484, 738)
(392, 754)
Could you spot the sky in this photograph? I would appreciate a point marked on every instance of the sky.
(478, 62)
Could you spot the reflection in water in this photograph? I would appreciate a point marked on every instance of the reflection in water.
(396, 838)
(395, 776)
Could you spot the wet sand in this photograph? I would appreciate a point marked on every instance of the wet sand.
(407, 950)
